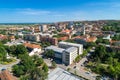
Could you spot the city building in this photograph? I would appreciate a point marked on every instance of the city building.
(48, 38)
(66, 45)
(32, 37)
(61, 25)
(33, 49)
(65, 31)
(43, 28)
(70, 25)
(69, 55)
(85, 38)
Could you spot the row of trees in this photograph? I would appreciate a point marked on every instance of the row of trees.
(15, 50)
(100, 40)
(3, 53)
(116, 37)
(45, 44)
(12, 50)
(112, 26)
(106, 61)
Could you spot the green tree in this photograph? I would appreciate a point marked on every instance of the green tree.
(18, 70)
(33, 68)
(77, 59)
(38, 74)
(45, 67)
(3, 53)
(54, 64)
(23, 77)
(20, 49)
(50, 53)
(40, 62)
(85, 52)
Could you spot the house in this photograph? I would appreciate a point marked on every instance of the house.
(84, 39)
(12, 38)
(33, 48)
(114, 42)
(3, 37)
(66, 31)
(63, 38)
(107, 37)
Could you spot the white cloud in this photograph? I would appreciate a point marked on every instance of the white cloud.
(29, 11)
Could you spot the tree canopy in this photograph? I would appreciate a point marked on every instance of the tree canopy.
(106, 62)
(31, 68)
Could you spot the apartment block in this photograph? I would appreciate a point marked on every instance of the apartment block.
(32, 37)
(47, 38)
(43, 28)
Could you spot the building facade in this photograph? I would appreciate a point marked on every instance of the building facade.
(69, 55)
(58, 51)
(43, 28)
(32, 37)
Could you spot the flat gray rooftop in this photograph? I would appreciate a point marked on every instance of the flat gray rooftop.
(61, 74)
(68, 43)
(55, 48)
(71, 49)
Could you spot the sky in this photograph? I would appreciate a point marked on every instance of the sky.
(22, 11)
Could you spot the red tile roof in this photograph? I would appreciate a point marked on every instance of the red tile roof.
(66, 31)
(91, 39)
(29, 45)
(12, 37)
(63, 38)
(2, 37)
(5, 75)
(87, 38)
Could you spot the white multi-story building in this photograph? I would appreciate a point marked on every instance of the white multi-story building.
(69, 55)
(43, 28)
(66, 45)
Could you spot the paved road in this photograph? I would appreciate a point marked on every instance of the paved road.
(79, 69)
(9, 66)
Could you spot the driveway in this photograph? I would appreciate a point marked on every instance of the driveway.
(9, 66)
